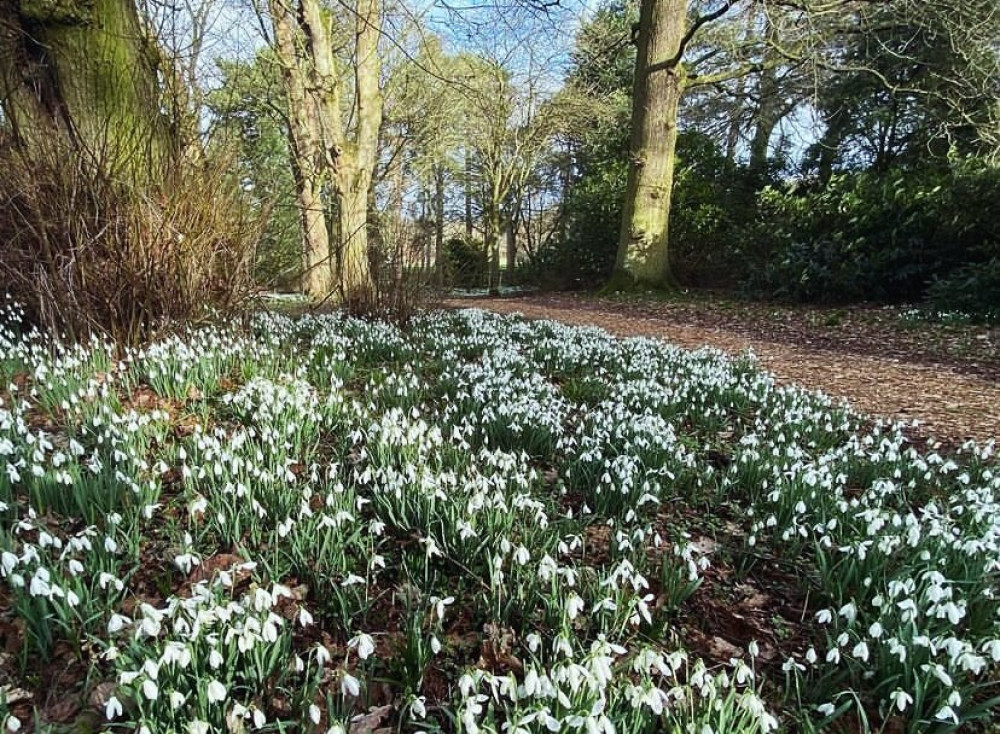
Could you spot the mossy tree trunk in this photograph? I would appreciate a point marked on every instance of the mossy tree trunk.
(82, 74)
(643, 255)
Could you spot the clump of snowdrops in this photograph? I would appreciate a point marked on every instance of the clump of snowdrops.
(472, 525)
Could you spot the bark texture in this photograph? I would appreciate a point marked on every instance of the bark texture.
(308, 157)
(439, 183)
(643, 255)
(83, 73)
(328, 155)
(355, 162)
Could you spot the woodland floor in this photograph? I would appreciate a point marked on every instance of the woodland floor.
(946, 376)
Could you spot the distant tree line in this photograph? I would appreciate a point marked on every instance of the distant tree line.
(812, 150)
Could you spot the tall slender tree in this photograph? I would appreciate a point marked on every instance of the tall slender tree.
(656, 95)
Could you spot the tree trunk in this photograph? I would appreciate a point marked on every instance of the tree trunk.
(355, 176)
(769, 110)
(352, 234)
(327, 153)
(492, 242)
(510, 230)
(82, 74)
(439, 224)
(307, 155)
(643, 256)
(468, 196)
(733, 128)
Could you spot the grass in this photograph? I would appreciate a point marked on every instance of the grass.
(478, 524)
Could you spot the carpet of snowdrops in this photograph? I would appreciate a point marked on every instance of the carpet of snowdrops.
(474, 524)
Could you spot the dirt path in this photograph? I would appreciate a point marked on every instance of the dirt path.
(950, 405)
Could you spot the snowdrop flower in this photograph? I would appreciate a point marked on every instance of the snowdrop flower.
(848, 612)
(900, 699)
(534, 641)
(197, 727)
(215, 659)
(992, 647)
(176, 652)
(430, 547)
(112, 709)
(364, 644)
(947, 713)
(860, 651)
(198, 506)
(259, 719)
(792, 664)
(216, 691)
(350, 687)
(441, 604)
(574, 605)
(149, 690)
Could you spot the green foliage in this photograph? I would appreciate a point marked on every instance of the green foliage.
(603, 66)
(586, 257)
(882, 237)
(972, 289)
(466, 262)
(249, 110)
(922, 83)
(713, 200)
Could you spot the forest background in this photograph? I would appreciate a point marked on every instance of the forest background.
(164, 157)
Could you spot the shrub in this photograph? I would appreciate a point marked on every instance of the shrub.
(972, 289)
(399, 288)
(87, 252)
(713, 202)
(713, 199)
(880, 237)
(466, 262)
